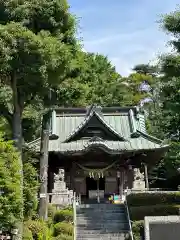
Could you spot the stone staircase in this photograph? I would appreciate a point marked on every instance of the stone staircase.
(101, 221)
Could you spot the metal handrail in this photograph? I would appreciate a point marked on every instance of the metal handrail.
(129, 220)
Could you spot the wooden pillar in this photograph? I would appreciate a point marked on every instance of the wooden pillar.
(44, 169)
(121, 187)
(72, 176)
(118, 181)
(146, 176)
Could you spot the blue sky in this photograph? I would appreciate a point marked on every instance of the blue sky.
(124, 30)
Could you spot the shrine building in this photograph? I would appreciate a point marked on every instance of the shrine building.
(106, 149)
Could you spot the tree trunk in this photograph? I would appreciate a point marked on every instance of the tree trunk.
(17, 137)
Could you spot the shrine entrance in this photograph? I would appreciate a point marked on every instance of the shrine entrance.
(94, 184)
(95, 187)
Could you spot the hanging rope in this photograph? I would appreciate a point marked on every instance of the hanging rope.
(99, 173)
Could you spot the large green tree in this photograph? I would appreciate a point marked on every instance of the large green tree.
(167, 115)
(30, 64)
(48, 15)
(36, 51)
(54, 18)
(94, 80)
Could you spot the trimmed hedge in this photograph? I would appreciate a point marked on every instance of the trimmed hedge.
(63, 215)
(149, 198)
(138, 229)
(138, 213)
(63, 228)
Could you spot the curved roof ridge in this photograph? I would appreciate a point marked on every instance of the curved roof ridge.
(150, 137)
(86, 120)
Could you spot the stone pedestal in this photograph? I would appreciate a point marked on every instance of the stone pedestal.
(138, 182)
(61, 195)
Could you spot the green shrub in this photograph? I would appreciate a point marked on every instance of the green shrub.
(51, 210)
(138, 213)
(145, 198)
(27, 234)
(37, 228)
(63, 237)
(63, 228)
(10, 181)
(137, 228)
(63, 215)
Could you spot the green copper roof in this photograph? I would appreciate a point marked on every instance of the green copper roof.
(68, 123)
(101, 119)
(109, 146)
(128, 124)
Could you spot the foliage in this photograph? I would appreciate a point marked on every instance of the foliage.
(38, 229)
(146, 69)
(35, 56)
(134, 82)
(149, 198)
(63, 228)
(41, 57)
(138, 213)
(63, 237)
(51, 210)
(10, 177)
(166, 119)
(63, 215)
(94, 80)
(50, 22)
(138, 229)
(52, 16)
(31, 184)
(27, 234)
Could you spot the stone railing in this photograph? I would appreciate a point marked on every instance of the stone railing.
(149, 190)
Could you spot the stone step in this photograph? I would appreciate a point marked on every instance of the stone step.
(102, 219)
(120, 236)
(93, 237)
(100, 211)
(105, 223)
(100, 207)
(105, 205)
(115, 228)
(100, 232)
(98, 214)
(101, 238)
(104, 234)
